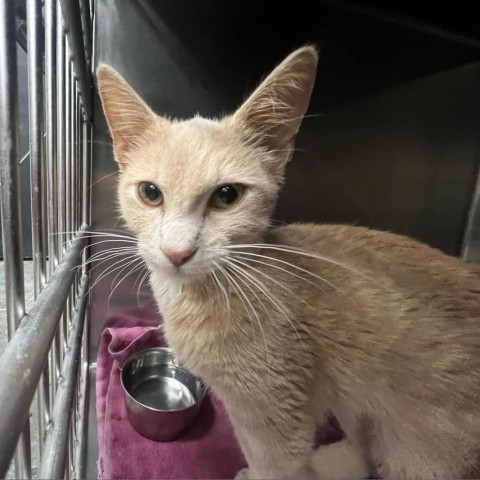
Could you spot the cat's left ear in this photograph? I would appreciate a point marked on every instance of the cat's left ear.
(274, 112)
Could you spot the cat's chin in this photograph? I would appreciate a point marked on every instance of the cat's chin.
(182, 276)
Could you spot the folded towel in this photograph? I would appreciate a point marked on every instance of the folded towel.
(208, 449)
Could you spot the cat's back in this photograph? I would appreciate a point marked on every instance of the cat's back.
(379, 254)
(406, 311)
(386, 291)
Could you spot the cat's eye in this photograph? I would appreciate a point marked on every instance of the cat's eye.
(226, 196)
(150, 194)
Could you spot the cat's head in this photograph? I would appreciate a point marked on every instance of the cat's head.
(189, 189)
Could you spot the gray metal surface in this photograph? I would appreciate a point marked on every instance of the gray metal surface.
(72, 19)
(56, 444)
(161, 397)
(35, 38)
(10, 205)
(19, 374)
(62, 115)
(9, 173)
(51, 129)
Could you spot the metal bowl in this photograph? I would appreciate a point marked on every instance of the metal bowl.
(161, 397)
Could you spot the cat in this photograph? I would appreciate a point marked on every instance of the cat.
(288, 325)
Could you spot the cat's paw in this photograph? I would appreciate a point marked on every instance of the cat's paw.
(243, 474)
(339, 461)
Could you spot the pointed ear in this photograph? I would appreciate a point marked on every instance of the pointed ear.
(128, 116)
(274, 111)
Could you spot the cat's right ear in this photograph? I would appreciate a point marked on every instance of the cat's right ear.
(128, 116)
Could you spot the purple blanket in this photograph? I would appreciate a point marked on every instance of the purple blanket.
(207, 450)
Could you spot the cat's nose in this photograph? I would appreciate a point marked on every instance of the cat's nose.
(179, 257)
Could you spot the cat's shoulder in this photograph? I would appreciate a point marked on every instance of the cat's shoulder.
(297, 233)
(356, 241)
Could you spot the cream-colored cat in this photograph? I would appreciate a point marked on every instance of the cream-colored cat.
(291, 323)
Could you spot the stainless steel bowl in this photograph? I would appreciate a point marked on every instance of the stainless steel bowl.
(161, 397)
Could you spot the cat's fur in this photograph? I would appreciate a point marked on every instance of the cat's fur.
(384, 332)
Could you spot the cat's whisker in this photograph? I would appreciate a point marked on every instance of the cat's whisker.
(216, 286)
(109, 270)
(142, 271)
(103, 178)
(236, 289)
(249, 278)
(131, 271)
(289, 150)
(122, 248)
(275, 302)
(104, 253)
(99, 233)
(112, 238)
(282, 119)
(100, 261)
(268, 277)
(135, 259)
(100, 142)
(248, 254)
(105, 257)
(277, 222)
(223, 290)
(252, 309)
(145, 276)
(298, 251)
(90, 245)
(103, 239)
(119, 219)
(313, 115)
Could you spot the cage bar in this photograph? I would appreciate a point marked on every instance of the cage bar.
(54, 459)
(10, 203)
(73, 27)
(35, 50)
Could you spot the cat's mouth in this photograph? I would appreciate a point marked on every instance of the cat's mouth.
(193, 270)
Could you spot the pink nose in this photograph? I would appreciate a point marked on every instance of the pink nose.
(179, 257)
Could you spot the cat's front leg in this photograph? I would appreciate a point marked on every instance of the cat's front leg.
(275, 447)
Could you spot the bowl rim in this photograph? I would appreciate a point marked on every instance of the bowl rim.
(138, 354)
(143, 351)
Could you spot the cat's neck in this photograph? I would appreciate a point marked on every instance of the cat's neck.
(201, 296)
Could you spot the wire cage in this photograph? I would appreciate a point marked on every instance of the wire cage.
(43, 367)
